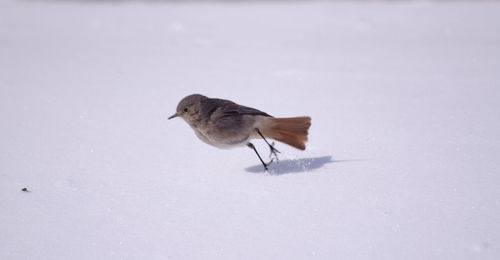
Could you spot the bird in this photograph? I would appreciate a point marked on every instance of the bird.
(226, 124)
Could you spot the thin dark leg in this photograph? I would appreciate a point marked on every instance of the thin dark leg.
(258, 155)
(271, 146)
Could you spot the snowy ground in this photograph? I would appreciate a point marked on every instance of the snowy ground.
(402, 162)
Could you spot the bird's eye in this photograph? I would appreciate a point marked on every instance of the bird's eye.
(185, 109)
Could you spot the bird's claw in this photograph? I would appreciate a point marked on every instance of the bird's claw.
(267, 164)
(273, 151)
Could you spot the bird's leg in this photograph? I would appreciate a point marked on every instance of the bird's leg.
(258, 155)
(273, 151)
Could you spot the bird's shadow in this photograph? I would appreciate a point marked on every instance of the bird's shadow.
(295, 165)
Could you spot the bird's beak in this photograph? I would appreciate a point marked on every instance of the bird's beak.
(174, 115)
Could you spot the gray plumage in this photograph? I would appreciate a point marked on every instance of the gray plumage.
(219, 122)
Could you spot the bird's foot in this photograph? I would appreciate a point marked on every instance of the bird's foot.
(273, 152)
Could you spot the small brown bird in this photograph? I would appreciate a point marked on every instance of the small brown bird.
(225, 124)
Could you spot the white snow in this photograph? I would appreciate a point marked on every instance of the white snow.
(404, 150)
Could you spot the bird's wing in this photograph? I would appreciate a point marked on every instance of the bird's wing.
(218, 108)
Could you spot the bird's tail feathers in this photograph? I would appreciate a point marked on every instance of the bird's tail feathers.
(292, 131)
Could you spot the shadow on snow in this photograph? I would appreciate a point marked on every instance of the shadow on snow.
(295, 165)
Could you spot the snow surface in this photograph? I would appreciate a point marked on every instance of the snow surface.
(402, 162)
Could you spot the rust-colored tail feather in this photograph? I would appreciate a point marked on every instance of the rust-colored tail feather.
(292, 131)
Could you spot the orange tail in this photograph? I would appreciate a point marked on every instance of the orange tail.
(291, 131)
